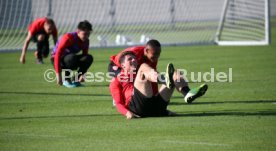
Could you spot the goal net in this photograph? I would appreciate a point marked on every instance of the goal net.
(244, 22)
(127, 23)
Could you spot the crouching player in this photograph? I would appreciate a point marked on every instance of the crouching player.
(39, 32)
(133, 93)
(65, 55)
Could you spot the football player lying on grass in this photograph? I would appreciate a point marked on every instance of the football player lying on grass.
(132, 90)
(148, 54)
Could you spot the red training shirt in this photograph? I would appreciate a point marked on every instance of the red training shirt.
(68, 43)
(38, 26)
(122, 88)
(139, 53)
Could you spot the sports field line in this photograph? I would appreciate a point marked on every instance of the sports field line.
(196, 143)
(32, 135)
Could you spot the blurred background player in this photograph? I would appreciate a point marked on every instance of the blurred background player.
(39, 32)
(132, 92)
(65, 55)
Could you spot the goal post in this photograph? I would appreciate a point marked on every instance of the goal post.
(244, 22)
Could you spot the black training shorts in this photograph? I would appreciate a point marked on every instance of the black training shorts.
(145, 107)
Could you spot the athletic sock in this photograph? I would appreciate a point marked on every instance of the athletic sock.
(185, 90)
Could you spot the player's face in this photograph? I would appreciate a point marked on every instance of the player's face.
(152, 54)
(130, 63)
(83, 34)
(48, 28)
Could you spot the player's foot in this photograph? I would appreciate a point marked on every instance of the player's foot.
(169, 76)
(195, 93)
(171, 113)
(77, 84)
(68, 84)
(39, 61)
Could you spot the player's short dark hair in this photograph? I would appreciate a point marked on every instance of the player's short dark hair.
(85, 25)
(50, 21)
(154, 43)
(123, 55)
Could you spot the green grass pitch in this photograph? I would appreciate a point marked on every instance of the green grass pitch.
(36, 115)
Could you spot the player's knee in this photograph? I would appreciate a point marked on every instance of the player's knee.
(89, 59)
(144, 66)
(71, 61)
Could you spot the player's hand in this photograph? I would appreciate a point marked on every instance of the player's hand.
(130, 115)
(22, 59)
(59, 79)
(81, 78)
(115, 68)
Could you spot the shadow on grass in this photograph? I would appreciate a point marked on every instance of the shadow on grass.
(179, 114)
(224, 102)
(59, 116)
(58, 94)
(229, 113)
(96, 85)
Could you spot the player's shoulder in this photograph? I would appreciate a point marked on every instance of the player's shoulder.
(115, 80)
(115, 83)
(69, 36)
(41, 20)
(135, 48)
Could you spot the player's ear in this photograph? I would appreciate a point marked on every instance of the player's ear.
(146, 50)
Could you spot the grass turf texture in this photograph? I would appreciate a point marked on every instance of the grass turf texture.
(37, 115)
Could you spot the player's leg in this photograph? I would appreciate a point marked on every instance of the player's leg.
(144, 102)
(142, 93)
(167, 88)
(144, 77)
(189, 94)
(181, 86)
(142, 98)
(69, 63)
(84, 62)
(45, 47)
(40, 38)
(178, 83)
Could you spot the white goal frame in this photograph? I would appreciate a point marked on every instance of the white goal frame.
(265, 41)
